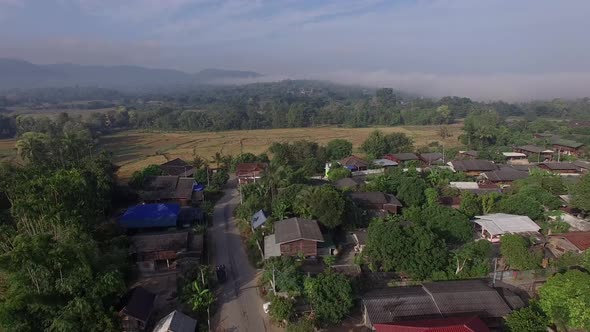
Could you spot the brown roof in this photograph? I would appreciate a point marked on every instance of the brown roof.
(404, 156)
(580, 240)
(294, 229)
(168, 187)
(354, 161)
(505, 174)
(562, 166)
(473, 165)
(375, 197)
(175, 241)
(249, 168)
(431, 157)
(139, 303)
(177, 167)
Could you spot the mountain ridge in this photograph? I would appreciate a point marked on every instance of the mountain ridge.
(17, 73)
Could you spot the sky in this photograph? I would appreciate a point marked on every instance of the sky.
(483, 49)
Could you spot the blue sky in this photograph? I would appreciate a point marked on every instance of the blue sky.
(511, 49)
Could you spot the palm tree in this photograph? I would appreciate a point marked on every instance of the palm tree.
(31, 146)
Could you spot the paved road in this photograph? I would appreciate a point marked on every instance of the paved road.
(239, 305)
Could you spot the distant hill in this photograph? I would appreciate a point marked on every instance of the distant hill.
(22, 74)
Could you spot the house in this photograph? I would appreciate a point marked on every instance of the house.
(582, 165)
(169, 188)
(401, 158)
(354, 163)
(176, 321)
(469, 154)
(348, 183)
(360, 240)
(567, 147)
(518, 158)
(576, 242)
(535, 152)
(433, 158)
(377, 201)
(504, 176)
(258, 219)
(177, 167)
(385, 163)
(149, 216)
(472, 167)
(452, 324)
(137, 310)
(157, 252)
(493, 226)
(250, 172)
(292, 237)
(560, 167)
(437, 300)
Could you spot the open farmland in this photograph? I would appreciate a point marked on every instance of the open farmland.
(134, 150)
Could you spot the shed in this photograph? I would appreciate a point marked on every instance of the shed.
(150, 216)
(258, 219)
(176, 321)
(495, 225)
(137, 310)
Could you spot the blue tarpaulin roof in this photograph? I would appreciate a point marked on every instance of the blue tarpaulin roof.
(150, 215)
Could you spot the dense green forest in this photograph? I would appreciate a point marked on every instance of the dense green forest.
(286, 104)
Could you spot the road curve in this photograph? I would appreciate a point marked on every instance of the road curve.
(239, 307)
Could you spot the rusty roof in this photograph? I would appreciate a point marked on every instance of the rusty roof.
(580, 240)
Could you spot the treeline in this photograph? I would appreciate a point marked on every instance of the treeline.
(62, 264)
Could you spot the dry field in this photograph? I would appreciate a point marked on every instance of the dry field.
(7, 149)
(134, 150)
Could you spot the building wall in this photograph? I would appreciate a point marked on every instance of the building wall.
(307, 247)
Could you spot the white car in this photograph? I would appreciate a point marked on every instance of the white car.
(266, 307)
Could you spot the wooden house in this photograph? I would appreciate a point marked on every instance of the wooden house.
(293, 237)
(250, 172)
(535, 153)
(567, 147)
(560, 167)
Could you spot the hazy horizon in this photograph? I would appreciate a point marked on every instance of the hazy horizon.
(480, 49)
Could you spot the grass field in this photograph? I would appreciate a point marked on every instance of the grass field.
(134, 150)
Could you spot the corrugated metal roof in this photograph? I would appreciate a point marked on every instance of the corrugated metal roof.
(502, 223)
(296, 229)
(580, 240)
(472, 165)
(455, 324)
(176, 321)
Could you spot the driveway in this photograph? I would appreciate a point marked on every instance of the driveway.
(239, 307)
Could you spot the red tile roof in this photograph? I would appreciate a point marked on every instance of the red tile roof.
(456, 324)
(579, 239)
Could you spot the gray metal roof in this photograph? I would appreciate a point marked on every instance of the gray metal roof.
(176, 321)
(560, 166)
(435, 300)
(505, 174)
(375, 197)
(405, 156)
(473, 165)
(296, 229)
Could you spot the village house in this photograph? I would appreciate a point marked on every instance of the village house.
(150, 216)
(250, 172)
(567, 147)
(137, 310)
(503, 177)
(469, 155)
(516, 158)
(157, 252)
(354, 163)
(379, 203)
(438, 300)
(493, 226)
(293, 237)
(535, 153)
(576, 242)
(431, 158)
(172, 189)
(177, 167)
(176, 321)
(402, 158)
(472, 167)
(562, 168)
